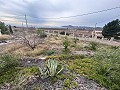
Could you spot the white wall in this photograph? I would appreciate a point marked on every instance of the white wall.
(0, 32)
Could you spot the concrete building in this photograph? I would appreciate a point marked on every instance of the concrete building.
(70, 32)
(97, 34)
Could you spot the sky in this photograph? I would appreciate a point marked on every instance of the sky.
(48, 12)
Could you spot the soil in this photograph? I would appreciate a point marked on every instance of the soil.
(45, 84)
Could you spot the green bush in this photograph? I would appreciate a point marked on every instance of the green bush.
(104, 68)
(8, 76)
(7, 61)
(114, 47)
(47, 52)
(41, 33)
(50, 52)
(66, 44)
(3, 28)
(7, 68)
(75, 41)
(109, 67)
(93, 46)
(63, 57)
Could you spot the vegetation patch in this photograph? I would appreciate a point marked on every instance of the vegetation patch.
(104, 68)
(8, 64)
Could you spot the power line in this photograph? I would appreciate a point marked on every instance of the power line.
(85, 14)
(81, 14)
(66, 17)
(15, 16)
(108, 19)
(96, 23)
(11, 21)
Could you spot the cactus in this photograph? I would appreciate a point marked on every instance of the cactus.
(51, 69)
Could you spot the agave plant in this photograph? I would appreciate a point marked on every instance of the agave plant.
(51, 69)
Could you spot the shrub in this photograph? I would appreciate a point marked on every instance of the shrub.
(47, 52)
(66, 43)
(23, 75)
(69, 84)
(41, 33)
(92, 46)
(75, 41)
(7, 68)
(50, 52)
(63, 57)
(103, 72)
(7, 61)
(62, 33)
(114, 47)
(109, 60)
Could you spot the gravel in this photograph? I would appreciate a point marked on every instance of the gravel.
(45, 84)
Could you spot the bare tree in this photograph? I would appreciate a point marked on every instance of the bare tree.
(29, 38)
(32, 41)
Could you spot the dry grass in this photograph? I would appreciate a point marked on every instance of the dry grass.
(53, 40)
(30, 53)
(12, 47)
(5, 37)
(54, 43)
(26, 51)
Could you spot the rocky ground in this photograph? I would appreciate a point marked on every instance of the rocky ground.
(44, 84)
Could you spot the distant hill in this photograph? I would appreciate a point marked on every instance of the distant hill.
(82, 27)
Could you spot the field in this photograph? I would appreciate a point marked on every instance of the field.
(78, 64)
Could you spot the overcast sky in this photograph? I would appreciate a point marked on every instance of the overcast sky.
(13, 11)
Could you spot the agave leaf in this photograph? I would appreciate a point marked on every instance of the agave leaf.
(52, 66)
(59, 68)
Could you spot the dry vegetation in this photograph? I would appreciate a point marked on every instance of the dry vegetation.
(88, 66)
(5, 37)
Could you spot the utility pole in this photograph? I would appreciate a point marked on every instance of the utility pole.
(26, 21)
(94, 30)
(95, 25)
(22, 26)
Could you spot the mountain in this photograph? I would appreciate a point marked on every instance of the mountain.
(82, 27)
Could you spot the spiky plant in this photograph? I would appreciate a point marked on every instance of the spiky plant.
(52, 68)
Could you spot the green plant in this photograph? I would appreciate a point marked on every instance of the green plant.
(50, 52)
(8, 61)
(52, 68)
(109, 60)
(69, 84)
(93, 46)
(75, 41)
(47, 52)
(114, 47)
(103, 67)
(63, 57)
(3, 28)
(8, 64)
(101, 70)
(23, 75)
(41, 33)
(66, 44)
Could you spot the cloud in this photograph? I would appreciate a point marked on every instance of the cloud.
(36, 9)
